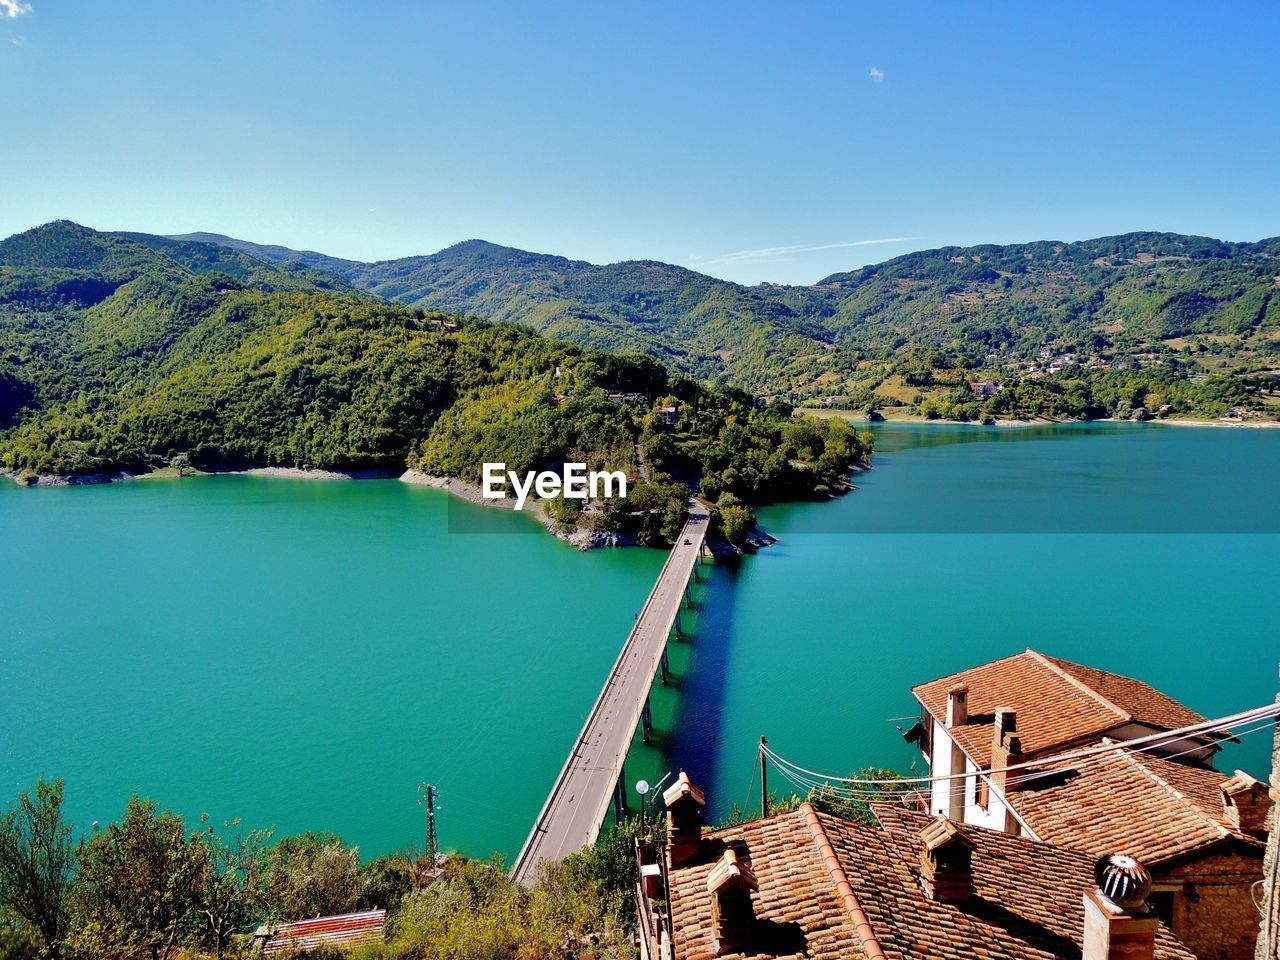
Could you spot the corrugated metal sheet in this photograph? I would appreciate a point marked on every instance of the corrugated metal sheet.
(346, 930)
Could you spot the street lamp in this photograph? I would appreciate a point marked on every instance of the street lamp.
(642, 788)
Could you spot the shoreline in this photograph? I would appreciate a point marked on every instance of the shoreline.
(857, 416)
(466, 490)
(578, 538)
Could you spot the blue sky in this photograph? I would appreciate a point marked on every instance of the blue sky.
(755, 142)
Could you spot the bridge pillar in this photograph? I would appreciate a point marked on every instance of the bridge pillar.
(665, 664)
(646, 718)
(620, 795)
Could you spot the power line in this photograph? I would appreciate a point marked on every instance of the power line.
(866, 789)
(1220, 725)
(897, 789)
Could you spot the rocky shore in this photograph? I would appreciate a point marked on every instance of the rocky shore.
(580, 538)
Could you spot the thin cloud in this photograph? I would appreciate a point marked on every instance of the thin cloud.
(13, 8)
(783, 253)
(876, 74)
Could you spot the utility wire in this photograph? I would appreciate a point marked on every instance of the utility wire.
(896, 790)
(1220, 725)
(890, 788)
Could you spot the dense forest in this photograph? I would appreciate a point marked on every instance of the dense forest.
(1156, 308)
(123, 355)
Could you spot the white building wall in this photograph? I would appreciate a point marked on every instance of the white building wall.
(939, 757)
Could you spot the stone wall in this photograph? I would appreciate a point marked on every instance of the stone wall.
(1213, 912)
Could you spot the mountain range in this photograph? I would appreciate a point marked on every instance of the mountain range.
(129, 352)
(118, 348)
(1209, 305)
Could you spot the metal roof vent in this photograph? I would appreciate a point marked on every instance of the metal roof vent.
(1123, 879)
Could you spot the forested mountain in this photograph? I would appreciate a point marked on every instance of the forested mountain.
(123, 353)
(1151, 308)
(698, 324)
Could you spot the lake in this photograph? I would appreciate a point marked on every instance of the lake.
(303, 654)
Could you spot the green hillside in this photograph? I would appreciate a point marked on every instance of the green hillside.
(1095, 328)
(124, 353)
(702, 326)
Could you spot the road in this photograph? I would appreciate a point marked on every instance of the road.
(579, 801)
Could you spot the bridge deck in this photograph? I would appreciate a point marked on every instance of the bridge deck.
(579, 801)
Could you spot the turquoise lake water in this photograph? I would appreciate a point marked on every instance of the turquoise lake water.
(303, 654)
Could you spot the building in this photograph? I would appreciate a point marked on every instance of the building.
(322, 933)
(983, 388)
(805, 884)
(1197, 829)
(668, 416)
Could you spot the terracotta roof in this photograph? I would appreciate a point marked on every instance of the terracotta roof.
(1057, 703)
(832, 888)
(796, 898)
(1152, 808)
(340, 932)
(1144, 703)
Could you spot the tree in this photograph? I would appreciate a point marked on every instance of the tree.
(855, 805)
(37, 863)
(386, 881)
(312, 875)
(139, 886)
(231, 883)
(736, 521)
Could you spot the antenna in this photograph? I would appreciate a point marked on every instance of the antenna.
(428, 794)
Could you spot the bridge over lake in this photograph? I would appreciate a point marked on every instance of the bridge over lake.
(592, 776)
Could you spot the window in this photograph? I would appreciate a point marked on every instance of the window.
(1162, 902)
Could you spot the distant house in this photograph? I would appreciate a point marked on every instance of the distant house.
(322, 933)
(626, 397)
(1198, 830)
(983, 388)
(668, 416)
(806, 884)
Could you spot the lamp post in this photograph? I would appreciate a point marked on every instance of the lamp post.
(642, 788)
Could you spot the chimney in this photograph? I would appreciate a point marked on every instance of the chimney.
(957, 705)
(1006, 746)
(1118, 924)
(684, 803)
(946, 862)
(731, 883)
(1245, 803)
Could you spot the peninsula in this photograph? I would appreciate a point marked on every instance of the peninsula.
(124, 354)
